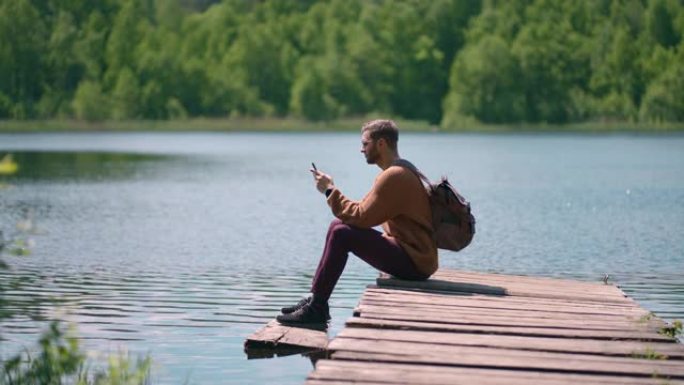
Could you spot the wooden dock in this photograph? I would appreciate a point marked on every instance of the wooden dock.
(474, 328)
(275, 339)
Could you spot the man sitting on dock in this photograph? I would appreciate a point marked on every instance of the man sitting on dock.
(397, 201)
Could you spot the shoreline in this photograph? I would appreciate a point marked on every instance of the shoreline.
(339, 125)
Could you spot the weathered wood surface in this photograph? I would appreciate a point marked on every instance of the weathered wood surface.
(615, 335)
(501, 319)
(275, 335)
(437, 354)
(480, 301)
(370, 305)
(442, 282)
(476, 328)
(548, 344)
(364, 372)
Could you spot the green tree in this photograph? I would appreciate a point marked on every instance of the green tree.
(125, 99)
(89, 102)
(448, 20)
(88, 49)
(502, 18)
(335, 78)
(63, 70)
(128, 29)
(661, 24)
(310, 98)
(664, 98)
(552, 61)
(22, 71)
(484, 85)
(616, 78)
(269, 59)
(418, 75)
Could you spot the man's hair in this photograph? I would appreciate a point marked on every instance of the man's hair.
(383, 128)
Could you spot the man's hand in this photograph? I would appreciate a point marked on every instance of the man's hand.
(323, 181)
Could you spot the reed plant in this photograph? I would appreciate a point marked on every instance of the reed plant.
(59, 360)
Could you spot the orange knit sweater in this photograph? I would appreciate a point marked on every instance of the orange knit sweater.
(400, 203)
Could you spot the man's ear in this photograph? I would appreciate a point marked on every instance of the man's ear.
(381, 142)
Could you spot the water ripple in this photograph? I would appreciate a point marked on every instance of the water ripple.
(181, 250)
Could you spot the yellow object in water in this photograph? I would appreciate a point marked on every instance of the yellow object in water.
(8, 166)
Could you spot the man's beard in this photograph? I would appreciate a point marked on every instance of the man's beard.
(372, 157)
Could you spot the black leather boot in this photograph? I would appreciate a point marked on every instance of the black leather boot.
(310, 313)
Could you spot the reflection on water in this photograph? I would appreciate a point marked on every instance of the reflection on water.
(181, 245)
(53, 165)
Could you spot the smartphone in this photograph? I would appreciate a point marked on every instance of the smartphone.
(314, 166)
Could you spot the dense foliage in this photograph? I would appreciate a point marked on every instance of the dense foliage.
(448, 61)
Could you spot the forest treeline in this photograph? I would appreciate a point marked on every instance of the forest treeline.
(448, 62)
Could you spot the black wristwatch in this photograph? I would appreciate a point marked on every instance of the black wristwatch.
(328, 192)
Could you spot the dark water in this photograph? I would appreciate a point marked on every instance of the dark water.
(180, 245)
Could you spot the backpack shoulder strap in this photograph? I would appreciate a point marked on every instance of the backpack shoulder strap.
(429, 189)
(406, 164)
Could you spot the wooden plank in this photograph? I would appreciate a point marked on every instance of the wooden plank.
(485, 307)
(623, 335)
(509, 278)
(343, 371)
(587, 346)
(523, 281)
(348, 382)
(276, 335)
(643, 319)
(478, 300)
(531, 283)
(512, 290)
(435, 285)
(507, 358)
(412, 291)
(442, 285)
(555, 317)
(540, 286)
(383, 312)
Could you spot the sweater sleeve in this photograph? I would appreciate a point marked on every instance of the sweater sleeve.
(380, 204)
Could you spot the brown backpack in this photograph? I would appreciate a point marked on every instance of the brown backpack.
(452, 221)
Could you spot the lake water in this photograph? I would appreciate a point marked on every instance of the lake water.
(180, 245)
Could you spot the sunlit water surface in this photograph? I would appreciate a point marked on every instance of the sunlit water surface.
(181, 245)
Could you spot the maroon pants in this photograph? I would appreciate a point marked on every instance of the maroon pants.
(368, 244)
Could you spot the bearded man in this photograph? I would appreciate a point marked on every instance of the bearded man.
(397, 201)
